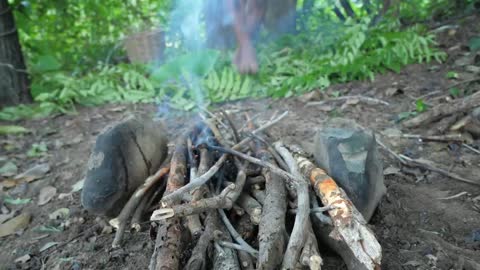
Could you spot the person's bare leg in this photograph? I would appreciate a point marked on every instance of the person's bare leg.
(247, 16)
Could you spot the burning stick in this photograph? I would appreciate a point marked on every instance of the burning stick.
(120, 222)
(302, 219)
(170, 237)
(193, 222)
(350, 237)
(194, 183)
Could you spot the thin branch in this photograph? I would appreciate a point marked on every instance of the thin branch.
(302, 219)
(342, 98)
(235, 246)
(410, 162)
(232, 126)
(177, 194)
(426, 165)
(463, 82)
(435, 138)
(236, 236)
(454, 196)
(471, 148)
(121, 221)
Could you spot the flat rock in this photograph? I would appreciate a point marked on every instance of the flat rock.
(349, 155)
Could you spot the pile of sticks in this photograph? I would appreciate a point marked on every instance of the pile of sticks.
(230, 199)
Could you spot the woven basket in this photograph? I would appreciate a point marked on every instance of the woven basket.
(144, 47)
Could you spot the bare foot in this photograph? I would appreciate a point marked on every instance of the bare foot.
(246, 60)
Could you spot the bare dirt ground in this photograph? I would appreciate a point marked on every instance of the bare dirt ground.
(415, 226)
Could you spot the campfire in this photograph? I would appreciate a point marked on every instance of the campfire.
(231, 198)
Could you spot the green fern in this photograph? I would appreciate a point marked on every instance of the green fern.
(228, 85)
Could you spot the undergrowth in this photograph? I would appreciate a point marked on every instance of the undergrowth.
(290, 66)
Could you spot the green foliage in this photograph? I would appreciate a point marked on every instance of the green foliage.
(420, 105)
(37, 150)
(9, 129)
(66, 56)
(452, 75)
(16, 201)
(474, 44)
(454, 92)
(228, 85)
(75, 35)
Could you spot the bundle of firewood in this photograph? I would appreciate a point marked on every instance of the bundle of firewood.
(231, 199)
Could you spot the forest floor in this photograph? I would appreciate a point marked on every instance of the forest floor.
(417, 227)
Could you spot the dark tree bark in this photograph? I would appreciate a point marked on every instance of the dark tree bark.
(348, 8)
(14, 80)
(339, 13)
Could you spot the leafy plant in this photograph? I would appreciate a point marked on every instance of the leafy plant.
(454, 92)
(37, 149)
(452, 75)
(10, 129)
(329, 52)
(420, 105)
(16, 201)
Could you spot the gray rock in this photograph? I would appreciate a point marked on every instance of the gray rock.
(122, 158)
(350, 156)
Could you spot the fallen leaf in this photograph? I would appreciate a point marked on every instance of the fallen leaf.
(37, 150)
(8, 169)
(15, 224)
(9, 129)
(326, 108)
(78, 186)
(49, 229)
(352, 101)
(392, 132)
(61, 213)
(40, 237)
(48, 245)
(5, 217)
(62, 196)
(413, 263)
(117, 109)
(392, 91)
(36, 172)
(23, 259)
(391, 170)
(46, 194)
(9, 183)
(16, 201)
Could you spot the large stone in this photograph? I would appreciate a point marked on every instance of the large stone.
(349, 155)
(122, 158)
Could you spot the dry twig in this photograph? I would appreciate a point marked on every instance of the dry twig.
(120, 222)
(302, 219)
(343, 98)
(442, 110)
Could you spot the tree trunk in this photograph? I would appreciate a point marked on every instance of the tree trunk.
(14, 80)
